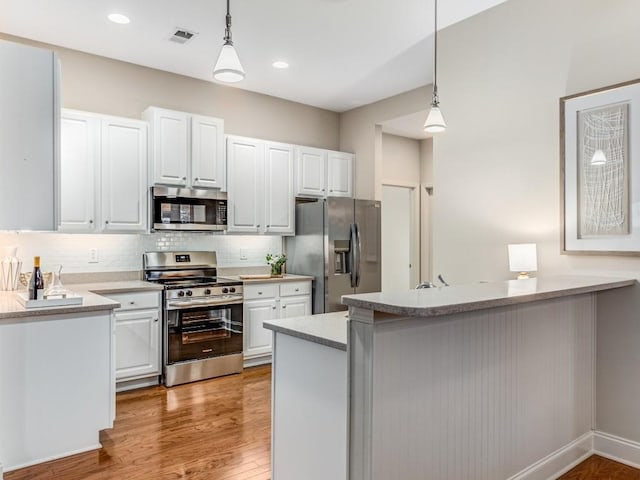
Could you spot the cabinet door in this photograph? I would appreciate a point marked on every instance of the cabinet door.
(279, 198)
(29, 119)
(79, 160)
(137, 340)
(340, 174)
(245, 185)
(257, 339)
(207, 152)
(295, 306)
(124, 175)
(310, 164)
(170, 146)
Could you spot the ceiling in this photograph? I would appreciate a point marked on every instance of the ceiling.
(342, 53)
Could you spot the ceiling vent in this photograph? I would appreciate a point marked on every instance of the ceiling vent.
(182, 36)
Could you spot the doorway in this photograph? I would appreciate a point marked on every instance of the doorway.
(400, 259)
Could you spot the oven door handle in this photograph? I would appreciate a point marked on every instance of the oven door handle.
(181, 304)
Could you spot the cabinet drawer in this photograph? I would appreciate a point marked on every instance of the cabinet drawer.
(135, 301)
(262, 290)
(288, 289)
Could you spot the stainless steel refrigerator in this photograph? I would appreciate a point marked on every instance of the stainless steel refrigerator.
(337, 242)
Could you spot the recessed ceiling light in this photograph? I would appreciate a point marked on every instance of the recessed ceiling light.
(118, 18)
(280, 64)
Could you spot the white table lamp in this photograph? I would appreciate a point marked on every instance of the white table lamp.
(523, 259)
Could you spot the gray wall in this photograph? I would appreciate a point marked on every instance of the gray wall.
(99, 84)
(496, 168)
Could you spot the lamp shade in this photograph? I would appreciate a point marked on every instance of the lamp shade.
(435, 121)
(228, 68)
(523, 257)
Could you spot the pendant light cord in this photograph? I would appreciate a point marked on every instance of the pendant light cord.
(227, 31)
(434, 100)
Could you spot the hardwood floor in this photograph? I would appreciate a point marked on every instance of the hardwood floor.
(214, 429)
(599, 468)
(218, 429)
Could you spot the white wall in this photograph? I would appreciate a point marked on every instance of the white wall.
(124, 252)
(496, 168)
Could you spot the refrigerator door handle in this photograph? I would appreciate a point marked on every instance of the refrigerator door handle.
(357, 257)
(353, 239)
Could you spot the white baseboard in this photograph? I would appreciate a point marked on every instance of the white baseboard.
(560, 461)
(52, 457)
(616, 448)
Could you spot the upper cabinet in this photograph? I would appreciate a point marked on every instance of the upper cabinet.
(103, 173)
(260, 186)
(323, 173)
(187, 150)
(29, 116)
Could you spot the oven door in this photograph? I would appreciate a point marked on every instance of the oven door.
(203, 332)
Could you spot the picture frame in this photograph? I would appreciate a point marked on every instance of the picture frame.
(600, 171)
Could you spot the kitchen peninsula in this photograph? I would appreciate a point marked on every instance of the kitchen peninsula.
(57, 385)
(489, 381)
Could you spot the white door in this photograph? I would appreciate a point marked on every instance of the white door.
(279, 198)
(339, 174)
(257, 339)
(295, 307)
(79, 160)
(245, 185)
(170, 146)
(397, 230)
(124, 175)
(310, 164)
(207, 152)
(137, 337)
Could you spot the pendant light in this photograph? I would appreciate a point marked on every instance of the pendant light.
(435, 121)
(228, 68)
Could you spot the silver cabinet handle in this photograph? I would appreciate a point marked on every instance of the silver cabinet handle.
(106, 222)
(259, 293)
(273, 308)
(196, 179)
(155, 319)
(297, 289)
(132, 303)
(90, 221)
(184, 178)
(258, 226)
(284, 306)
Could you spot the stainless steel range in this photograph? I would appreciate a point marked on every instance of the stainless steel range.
(202, 316)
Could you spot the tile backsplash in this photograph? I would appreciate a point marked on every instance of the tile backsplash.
(124, 252)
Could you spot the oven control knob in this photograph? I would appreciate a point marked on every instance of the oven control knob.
(207, 291)
(225, 290)
(181, 293)
(232, 289)
(189, 293)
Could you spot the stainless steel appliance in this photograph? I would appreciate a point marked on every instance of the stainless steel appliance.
(190, 209)
(202, 316)
(337, 242)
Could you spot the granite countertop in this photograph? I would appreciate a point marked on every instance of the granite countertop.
(286, 278)
(91, 298)
(117, 287)
(10, 309)
(328, 329)
(463, 298)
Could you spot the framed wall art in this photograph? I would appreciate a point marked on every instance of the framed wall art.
(600, 170)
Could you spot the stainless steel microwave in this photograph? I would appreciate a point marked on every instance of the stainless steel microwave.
(190, 209)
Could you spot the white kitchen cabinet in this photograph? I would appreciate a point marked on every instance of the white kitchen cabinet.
(123, 183)
(103, 171)
(260, 186)
(137, 339)
(323, 173)
(269, 301)
(29, 123)
(187, 149)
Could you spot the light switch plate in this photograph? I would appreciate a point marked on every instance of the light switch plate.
(93, 255)
(243, 254)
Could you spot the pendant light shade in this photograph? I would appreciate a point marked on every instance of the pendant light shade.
(435, 120)
(228, 68)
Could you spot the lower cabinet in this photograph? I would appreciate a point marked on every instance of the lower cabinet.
(137, 339)
(270, 301)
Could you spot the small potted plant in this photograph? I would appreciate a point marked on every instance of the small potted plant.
(276, 262)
